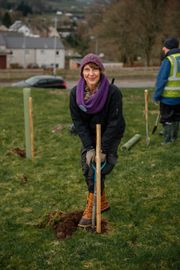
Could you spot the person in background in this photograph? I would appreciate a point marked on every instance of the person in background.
(167, 90)
(94, 100)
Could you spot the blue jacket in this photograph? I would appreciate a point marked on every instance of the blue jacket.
(162, 79)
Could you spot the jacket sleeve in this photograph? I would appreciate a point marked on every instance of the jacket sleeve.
(162, 79)
(81, 126)
(115, 122)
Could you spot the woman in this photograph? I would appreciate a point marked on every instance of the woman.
(94, 101)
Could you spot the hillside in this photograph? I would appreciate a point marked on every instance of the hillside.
(47, 5)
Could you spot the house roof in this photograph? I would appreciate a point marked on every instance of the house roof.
(19, 42)
(16, 25)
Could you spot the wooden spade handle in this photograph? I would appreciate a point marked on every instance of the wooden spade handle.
(146, 103)
(98, 178)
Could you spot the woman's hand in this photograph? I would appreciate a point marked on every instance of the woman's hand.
(90, 156)
(102, 157)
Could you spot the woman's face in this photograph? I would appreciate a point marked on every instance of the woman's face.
(91, 74)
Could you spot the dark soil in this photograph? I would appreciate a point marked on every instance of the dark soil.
(18, 152)
(65, 224)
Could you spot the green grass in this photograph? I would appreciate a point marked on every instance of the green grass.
(143, 191)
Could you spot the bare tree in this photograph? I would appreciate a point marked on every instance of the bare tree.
(150, 23)
(172, 18)
(116, 31)
(129, 28)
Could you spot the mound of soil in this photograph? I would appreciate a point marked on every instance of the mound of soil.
(65, 224)
(17, 151)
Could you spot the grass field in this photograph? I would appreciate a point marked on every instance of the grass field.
(143, 191)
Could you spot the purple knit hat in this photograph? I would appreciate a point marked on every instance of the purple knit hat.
(91, 58)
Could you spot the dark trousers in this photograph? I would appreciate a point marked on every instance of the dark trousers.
(170, 118)
(89, 172)
(169, 113)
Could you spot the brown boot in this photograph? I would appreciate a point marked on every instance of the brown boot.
(104, 203)
(86, 220)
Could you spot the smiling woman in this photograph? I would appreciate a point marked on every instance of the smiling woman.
(95, 101)
(91, 74)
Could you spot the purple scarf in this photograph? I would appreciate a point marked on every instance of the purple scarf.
(96, 102)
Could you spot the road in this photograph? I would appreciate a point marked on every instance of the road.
(129, 83)
(124, 83)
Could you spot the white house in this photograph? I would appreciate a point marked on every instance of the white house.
(31, 51)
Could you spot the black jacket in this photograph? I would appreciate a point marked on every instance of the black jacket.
(110, 117)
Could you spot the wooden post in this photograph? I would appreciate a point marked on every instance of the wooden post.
(28, 136)
(146, 116)
(98, 178)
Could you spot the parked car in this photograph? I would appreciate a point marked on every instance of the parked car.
(43, 81)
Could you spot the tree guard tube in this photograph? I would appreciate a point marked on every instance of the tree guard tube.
(131, 142)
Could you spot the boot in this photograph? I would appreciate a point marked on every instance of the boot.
(104, 203)
(167, 133)
(86, 220)
(175, 129)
